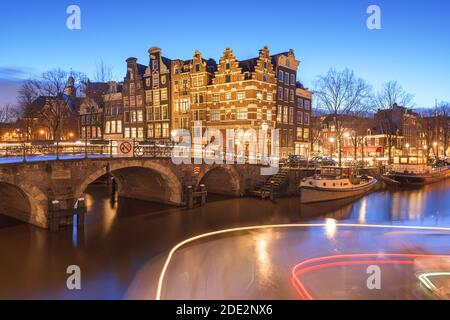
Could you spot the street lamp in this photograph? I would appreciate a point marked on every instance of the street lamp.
(332, 140)
(437, 150)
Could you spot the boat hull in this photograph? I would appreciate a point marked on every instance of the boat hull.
(404, 179)
(315, 194)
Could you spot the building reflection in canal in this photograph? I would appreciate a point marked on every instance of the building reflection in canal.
(121, 236)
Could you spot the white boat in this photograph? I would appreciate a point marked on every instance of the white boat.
(333, 183)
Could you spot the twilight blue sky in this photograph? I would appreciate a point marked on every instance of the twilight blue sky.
(413, 46)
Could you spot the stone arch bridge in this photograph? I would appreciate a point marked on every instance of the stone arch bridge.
(45, 193)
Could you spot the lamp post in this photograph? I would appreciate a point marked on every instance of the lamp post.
(332, 140)
(435, 144)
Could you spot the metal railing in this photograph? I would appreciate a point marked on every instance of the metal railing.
(50, 150)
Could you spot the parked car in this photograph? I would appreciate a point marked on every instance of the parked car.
(296, 161)
(322, 161)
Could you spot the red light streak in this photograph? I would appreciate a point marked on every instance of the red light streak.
(303, 268)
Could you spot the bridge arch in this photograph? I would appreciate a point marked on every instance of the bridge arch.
(140, 179)
(222, 179)
(23, 202)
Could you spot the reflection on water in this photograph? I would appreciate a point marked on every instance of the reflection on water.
(120, 235)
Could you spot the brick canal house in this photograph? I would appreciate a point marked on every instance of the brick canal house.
(133, 94)
(158, 97)
(114, 113)
(257, 93)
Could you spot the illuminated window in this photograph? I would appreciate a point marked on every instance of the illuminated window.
(164, 112)
(150, 132)
(165, 130)
(164, 94)
(140, 116)
(259, 114)
(215, 115)
(148, 96)
(241, 114)
(241, 95)
(306, 133)
(158, 130)
(259, 95)
(157, 113)
(291, 115)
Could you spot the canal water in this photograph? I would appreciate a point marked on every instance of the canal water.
(122, 247)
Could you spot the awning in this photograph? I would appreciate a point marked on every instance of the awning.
(374, 149)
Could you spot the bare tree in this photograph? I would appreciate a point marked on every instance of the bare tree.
(316, 132)
(96, 97)
(8, 113)
(54, 86)
(358, 126)
(103, 72)
(390, 95)
(444, 115)
(342, 94)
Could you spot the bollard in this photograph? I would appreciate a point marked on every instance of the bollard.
(190, 197)
(81, 210)
(272, 190)
(204, 193)
(54, 216)
(24, 153)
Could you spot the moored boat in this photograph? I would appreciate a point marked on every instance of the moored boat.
(333, 183)
(414, 171)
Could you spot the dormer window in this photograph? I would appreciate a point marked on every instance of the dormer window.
(227, 66)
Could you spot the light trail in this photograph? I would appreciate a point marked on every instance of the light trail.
(425, 279)
(301, 269)
(295, 225)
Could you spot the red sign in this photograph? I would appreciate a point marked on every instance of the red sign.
(125, 149)
(369, 149)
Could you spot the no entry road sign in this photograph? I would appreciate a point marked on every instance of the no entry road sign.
(125, 148)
